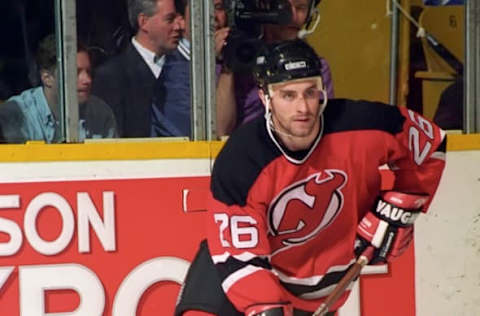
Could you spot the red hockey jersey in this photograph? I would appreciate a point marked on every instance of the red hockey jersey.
(282, 225)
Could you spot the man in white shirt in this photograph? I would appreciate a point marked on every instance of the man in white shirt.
(127, 81)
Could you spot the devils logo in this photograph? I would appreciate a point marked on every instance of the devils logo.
(305, 208)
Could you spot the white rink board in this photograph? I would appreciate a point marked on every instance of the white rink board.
(102, 170)
(447, 242)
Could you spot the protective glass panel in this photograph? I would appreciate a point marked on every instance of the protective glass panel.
(110, 99)
(28, 75)
(129, 42)
(412, 48)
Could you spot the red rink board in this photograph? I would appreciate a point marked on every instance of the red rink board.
(150, 222)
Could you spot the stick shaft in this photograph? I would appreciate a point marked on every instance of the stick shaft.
(339, 289)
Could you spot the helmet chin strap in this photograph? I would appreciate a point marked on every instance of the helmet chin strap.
(268, 115)
(306, 31)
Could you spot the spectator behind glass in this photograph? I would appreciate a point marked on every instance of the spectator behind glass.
(171, 103)
(237, 94)
(449, 114)
(127, 81)
(33, 115)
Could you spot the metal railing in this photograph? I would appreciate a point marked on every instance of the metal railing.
(66, 39)
(471, 113)
(202, 68)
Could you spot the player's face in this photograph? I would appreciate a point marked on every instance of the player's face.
(84, 76)
(296, 108)
(290, 31)
(163, 28)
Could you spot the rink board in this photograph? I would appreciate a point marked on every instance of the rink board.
(112, 231)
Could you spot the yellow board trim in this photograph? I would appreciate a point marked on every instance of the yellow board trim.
(459, 142)
(122, 150)
(151, 149)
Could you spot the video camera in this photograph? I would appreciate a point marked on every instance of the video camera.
(245, 19)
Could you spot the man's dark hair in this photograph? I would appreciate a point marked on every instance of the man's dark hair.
(47, 54)
(81, 47)
(180, 6)
(135, 7)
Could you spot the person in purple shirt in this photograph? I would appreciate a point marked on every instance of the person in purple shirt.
(237, 93)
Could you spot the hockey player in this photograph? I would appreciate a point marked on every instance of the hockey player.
(295, 196)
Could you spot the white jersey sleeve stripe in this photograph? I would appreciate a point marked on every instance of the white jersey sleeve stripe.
(240, 274)
(244, 257)
(439, 155)
(313, 280)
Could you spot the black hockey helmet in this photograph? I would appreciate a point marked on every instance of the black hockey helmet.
(285, 61)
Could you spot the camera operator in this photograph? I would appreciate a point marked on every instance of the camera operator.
(237, 93)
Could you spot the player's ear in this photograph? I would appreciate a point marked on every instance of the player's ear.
(261, 95)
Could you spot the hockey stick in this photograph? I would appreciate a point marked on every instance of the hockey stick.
(339, 289)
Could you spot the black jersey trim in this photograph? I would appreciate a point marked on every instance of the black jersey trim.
(349, 115)
(232, 265)
(443, 145)
(329, 279)
(240, 161)
(202, 289)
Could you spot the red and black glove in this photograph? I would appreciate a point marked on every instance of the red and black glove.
(389, 227)
(279, 309)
